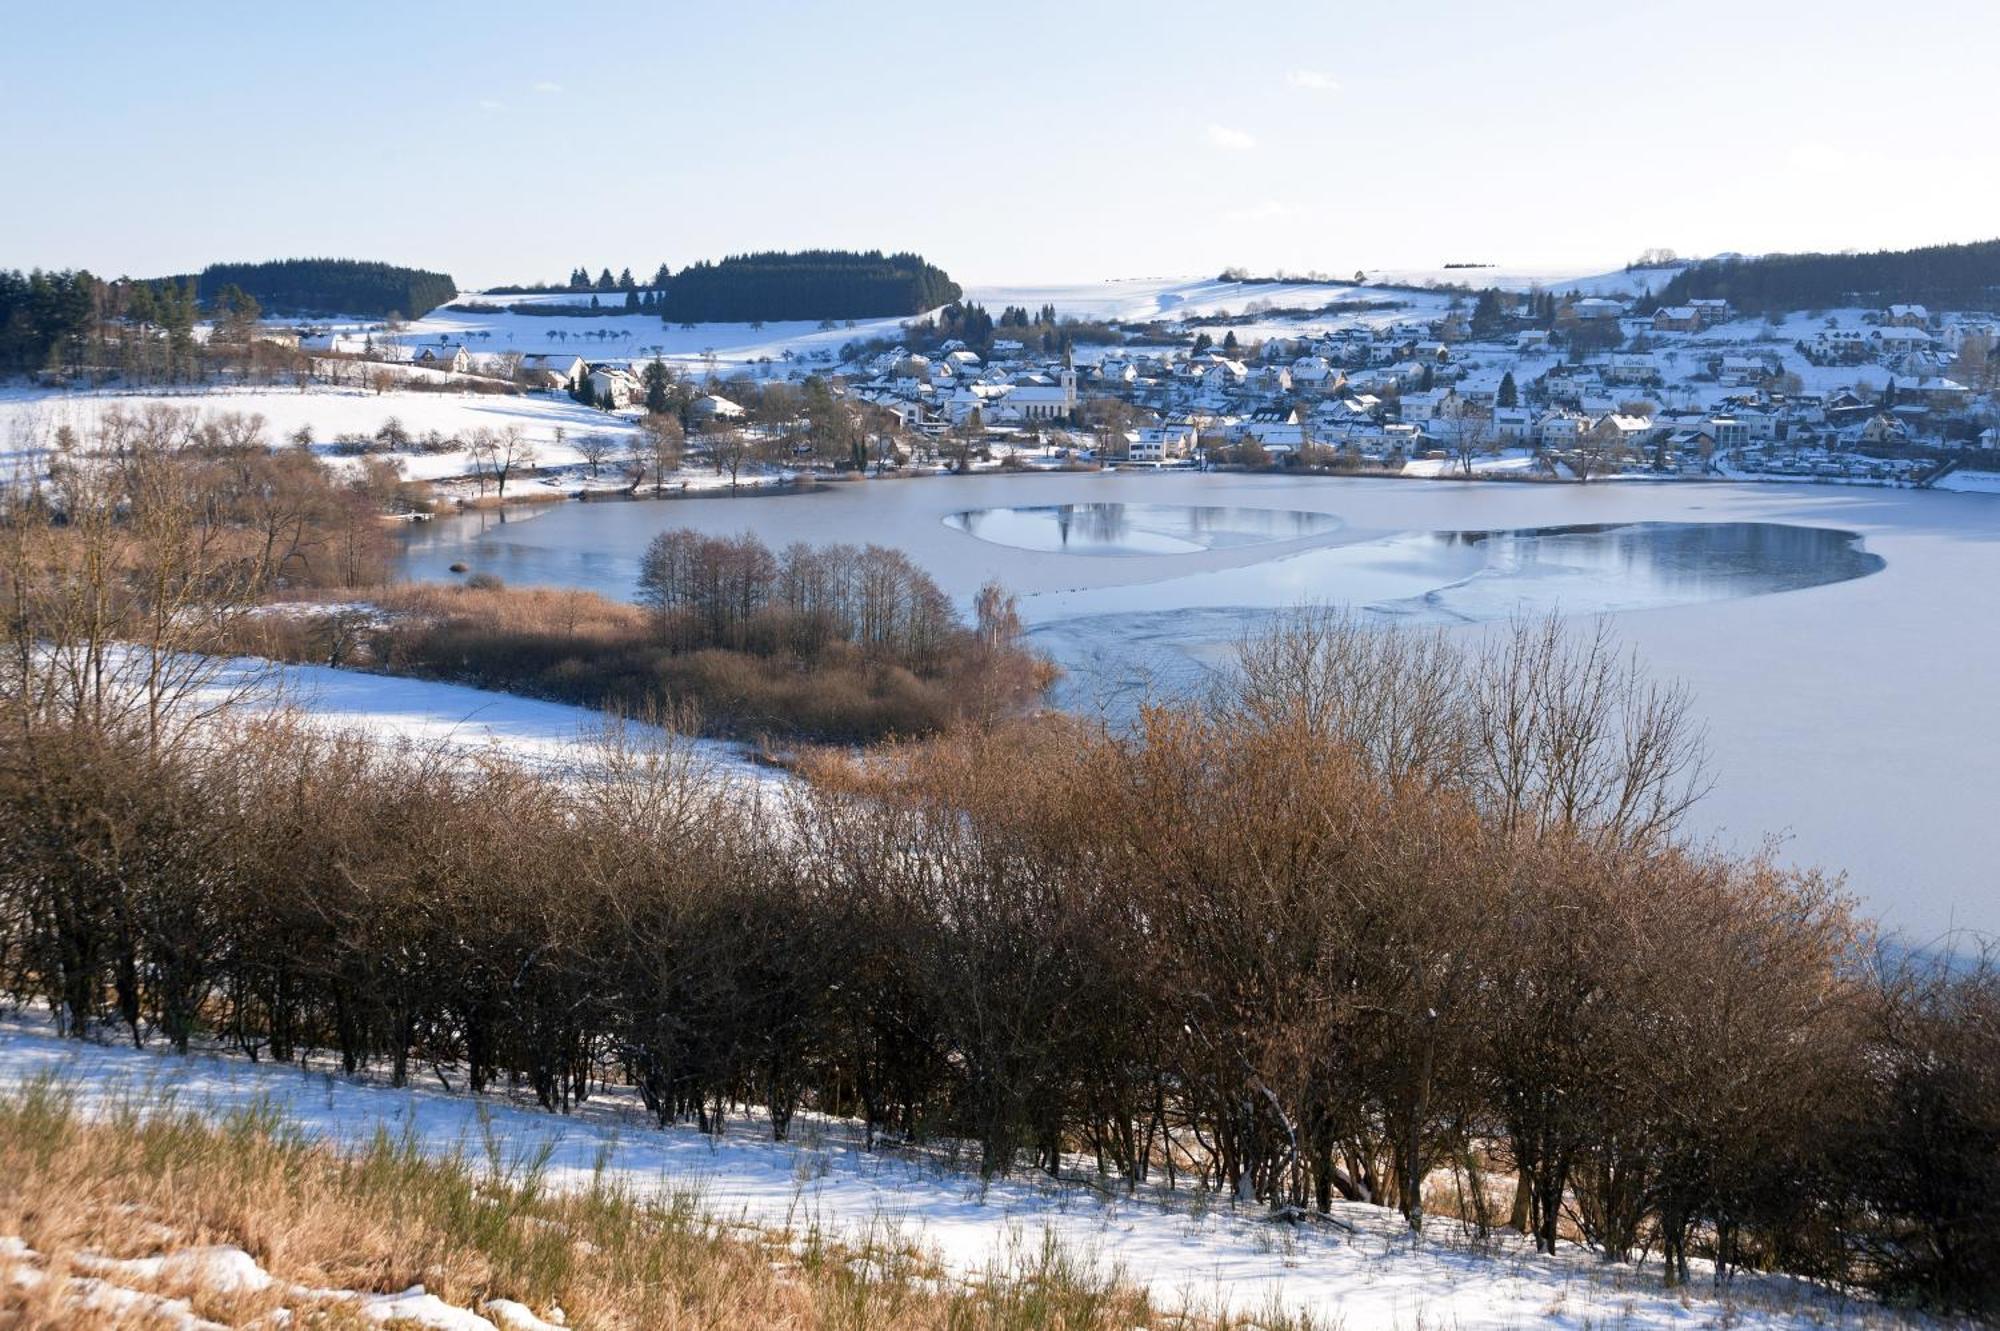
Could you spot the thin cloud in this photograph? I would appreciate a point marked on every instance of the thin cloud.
(548, 89)
(1313, 80)
(488, 104)
(1234, 140)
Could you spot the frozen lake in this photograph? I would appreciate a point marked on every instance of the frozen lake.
(1138, 529)
(1842, 642)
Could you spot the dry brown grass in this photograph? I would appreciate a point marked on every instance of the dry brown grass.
(578, 647)
(382, 1219)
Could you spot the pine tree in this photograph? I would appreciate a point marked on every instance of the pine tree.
(605, 281)
(1509, 395)
(659, 387)
(631, 298)
(625, 282)
(1486, 311)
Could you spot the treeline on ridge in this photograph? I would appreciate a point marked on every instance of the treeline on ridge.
(329, 286)
(1944, 276)
(811, 284)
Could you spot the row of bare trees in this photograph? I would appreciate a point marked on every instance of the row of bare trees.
(129, 547)
(1390, 920)
(736, 592)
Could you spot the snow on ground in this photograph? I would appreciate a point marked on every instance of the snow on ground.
(793, 348)
(771, 349)
(125, 1288)
(1969, 482)
(796, 347)
(1508, 462)
(1524, 277)
(551, 423)
(1371, 1275)
(30, 417)
(475, 722)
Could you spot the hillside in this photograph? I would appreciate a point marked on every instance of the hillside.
(927, 1227)
(330, 286)
(1949, 277)
(812, 284)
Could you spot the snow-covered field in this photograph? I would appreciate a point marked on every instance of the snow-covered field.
(105, 1287)
(1507, 462)
(1526, 277)
(425, 714)
(1970, 482)
(779, 348)
(30, 417)
(551, 423)
(1366, 1273)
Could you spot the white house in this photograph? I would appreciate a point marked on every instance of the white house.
(1160, 443)
(1594, 308)
(714, 407)
(1438, 404)
(1512, 424)
(552, 370)
(613, 387)
(1840, 346)
(1740, 370)
(1637, 368)
(1221, 375)
(453, 358)
(1312, 374)
(1560, 429)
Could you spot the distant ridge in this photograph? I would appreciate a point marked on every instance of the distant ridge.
(329, 286)
(811, 284)
(1950, 277)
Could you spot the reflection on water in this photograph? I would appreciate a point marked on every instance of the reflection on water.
(1165, 634)
(1138, 529)
(1638, 565)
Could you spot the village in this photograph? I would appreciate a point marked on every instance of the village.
(1867, 396)
(1430, 380)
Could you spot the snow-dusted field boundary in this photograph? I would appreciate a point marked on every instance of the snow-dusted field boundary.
(1184, 1252)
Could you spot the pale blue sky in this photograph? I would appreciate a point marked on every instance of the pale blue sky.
(1011, 142)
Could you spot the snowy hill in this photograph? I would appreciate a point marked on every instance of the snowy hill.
(1365, 1270)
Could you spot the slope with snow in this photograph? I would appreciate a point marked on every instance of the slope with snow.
(1363, 1271)
(123, 1288)
(456, 718)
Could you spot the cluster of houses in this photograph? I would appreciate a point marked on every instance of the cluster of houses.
(1689, 388)
(613, 383)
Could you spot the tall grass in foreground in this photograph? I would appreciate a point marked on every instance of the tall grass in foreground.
(146, 1180)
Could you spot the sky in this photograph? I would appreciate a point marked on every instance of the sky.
(1026, 142)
